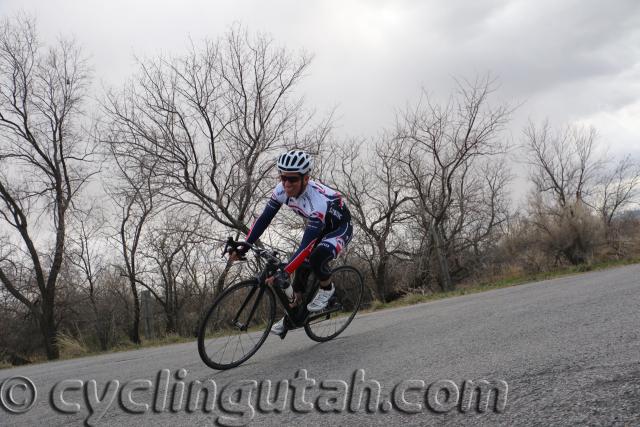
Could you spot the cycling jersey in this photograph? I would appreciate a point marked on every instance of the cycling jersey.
(322, 207)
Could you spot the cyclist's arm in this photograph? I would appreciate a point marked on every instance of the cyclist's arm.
(311, 235)
(262, 222)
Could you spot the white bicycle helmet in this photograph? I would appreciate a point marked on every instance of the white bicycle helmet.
(295, 161)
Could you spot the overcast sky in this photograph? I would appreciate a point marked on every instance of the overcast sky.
(570, 61)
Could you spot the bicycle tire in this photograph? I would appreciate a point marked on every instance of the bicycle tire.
(318, 322)
(219, 321)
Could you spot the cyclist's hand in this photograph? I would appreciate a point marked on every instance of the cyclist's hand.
(238, 253)
(279, 276)
(234, 256)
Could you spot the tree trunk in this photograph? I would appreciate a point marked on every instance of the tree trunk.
(171, 321)
(381, 282)
(170, 309)
(443, 265)
(48, 328)
(134, 334)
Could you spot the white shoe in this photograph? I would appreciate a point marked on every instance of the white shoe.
(279, 327)
(321, 299)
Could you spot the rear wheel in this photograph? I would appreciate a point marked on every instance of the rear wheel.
(236, 325)
(342, 307)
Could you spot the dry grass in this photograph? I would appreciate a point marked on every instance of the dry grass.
(71, 347)
(503, 282)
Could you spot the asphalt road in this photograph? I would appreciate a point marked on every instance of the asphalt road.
(568, 350)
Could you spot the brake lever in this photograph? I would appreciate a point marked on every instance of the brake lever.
(234, 249)
(224, 251)
(229, 247)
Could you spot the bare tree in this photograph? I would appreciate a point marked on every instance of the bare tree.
(134, 193)
(564, 170)
(440, 145)
(44, 155)
(171, 248)
(214, 121)
(564, 164)
(377, 198)
(86, 252)
(203, 264)
(617, 188)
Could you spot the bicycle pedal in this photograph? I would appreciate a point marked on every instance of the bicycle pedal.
(284, 334)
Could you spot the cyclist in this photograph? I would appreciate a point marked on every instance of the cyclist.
(328, 229)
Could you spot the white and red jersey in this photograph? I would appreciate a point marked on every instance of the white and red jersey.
(317, 201)
(322, 206)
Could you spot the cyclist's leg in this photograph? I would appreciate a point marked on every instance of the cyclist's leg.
(300, 279)
(327, 250)
(319, 261)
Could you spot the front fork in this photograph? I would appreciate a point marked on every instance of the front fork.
(261, 289)
(245, 326)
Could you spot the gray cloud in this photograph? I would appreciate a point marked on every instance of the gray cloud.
(573, 60)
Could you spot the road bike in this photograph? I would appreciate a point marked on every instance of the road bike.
(240, 318)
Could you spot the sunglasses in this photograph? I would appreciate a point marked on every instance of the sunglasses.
(292, 179)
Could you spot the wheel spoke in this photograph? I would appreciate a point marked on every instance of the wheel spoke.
(234, 351)
(239, 344)
(252, 340)
(225, 348)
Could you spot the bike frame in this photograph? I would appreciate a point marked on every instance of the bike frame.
(271, 267)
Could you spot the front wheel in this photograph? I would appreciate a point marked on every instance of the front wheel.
(236, 325)
(343, 305)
